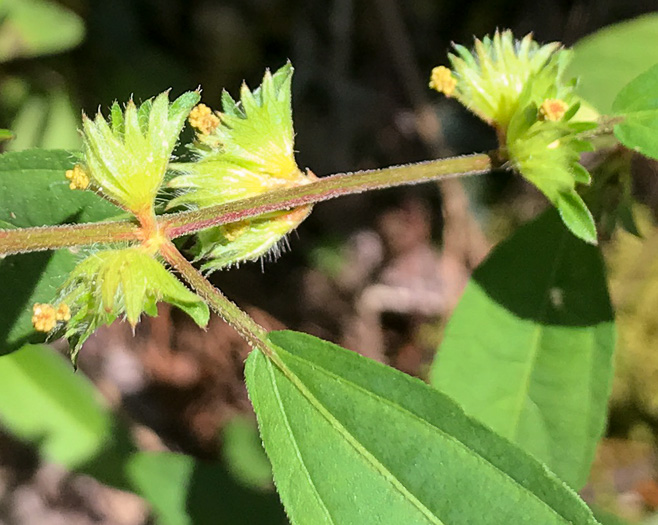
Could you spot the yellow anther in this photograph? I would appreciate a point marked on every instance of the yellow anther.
(553, 109)
(443, 81)
(79, 179)
(44, 317)
(203, 119)
(63, 312)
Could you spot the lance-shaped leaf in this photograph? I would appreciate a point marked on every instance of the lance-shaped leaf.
(127, 157)
(529, 349)
(354, 441)
(249, 150)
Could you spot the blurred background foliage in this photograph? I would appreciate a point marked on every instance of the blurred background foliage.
(165, 414)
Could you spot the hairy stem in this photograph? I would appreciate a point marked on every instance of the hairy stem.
(40, 238)
(174, 225)
(324, 189)
(224, 307)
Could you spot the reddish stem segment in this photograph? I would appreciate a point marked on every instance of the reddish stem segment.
(40, 238)
(324, 189)
(174, 225)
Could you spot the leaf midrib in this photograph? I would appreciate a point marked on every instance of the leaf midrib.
(406, 411)
(349, 438)
(293, 440)
(535, 339)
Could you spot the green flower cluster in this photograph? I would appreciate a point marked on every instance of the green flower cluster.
(113, 283)
(245, 150)
(518, 88)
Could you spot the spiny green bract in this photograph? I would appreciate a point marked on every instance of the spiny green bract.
(246, 240)
(127, 158)
(492, 78)
(112, 283)
(250, 151)
(547, 154)
(517, 87)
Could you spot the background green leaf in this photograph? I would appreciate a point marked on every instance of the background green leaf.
(30, 28)
(243, 452)
(35, 192)
(638, 103)
(607, 60)
(354, 441)
(41, 401)
(528, 351)
(184, 491)
(48, 122)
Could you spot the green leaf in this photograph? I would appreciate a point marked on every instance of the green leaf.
(243, 453)
(576, 216)
(35, 192)
(638, 103)
(42, 400)
(184, 491)
(354, 441)
(610, 58)
(528, 351)
(48, 122)
(30, 28)
(5, 134)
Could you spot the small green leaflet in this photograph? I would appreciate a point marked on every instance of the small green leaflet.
(637, 102)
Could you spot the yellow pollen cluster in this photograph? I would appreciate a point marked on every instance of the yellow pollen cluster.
(203, 119)
(79, 179)
(45, 316)
(443, 81)
(553, 109)
(63, 312)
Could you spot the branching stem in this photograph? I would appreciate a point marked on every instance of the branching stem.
(221, 305)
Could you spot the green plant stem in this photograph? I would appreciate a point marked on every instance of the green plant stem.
(324, 189)
(175, 225)
(224, 307)
(20, 240)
